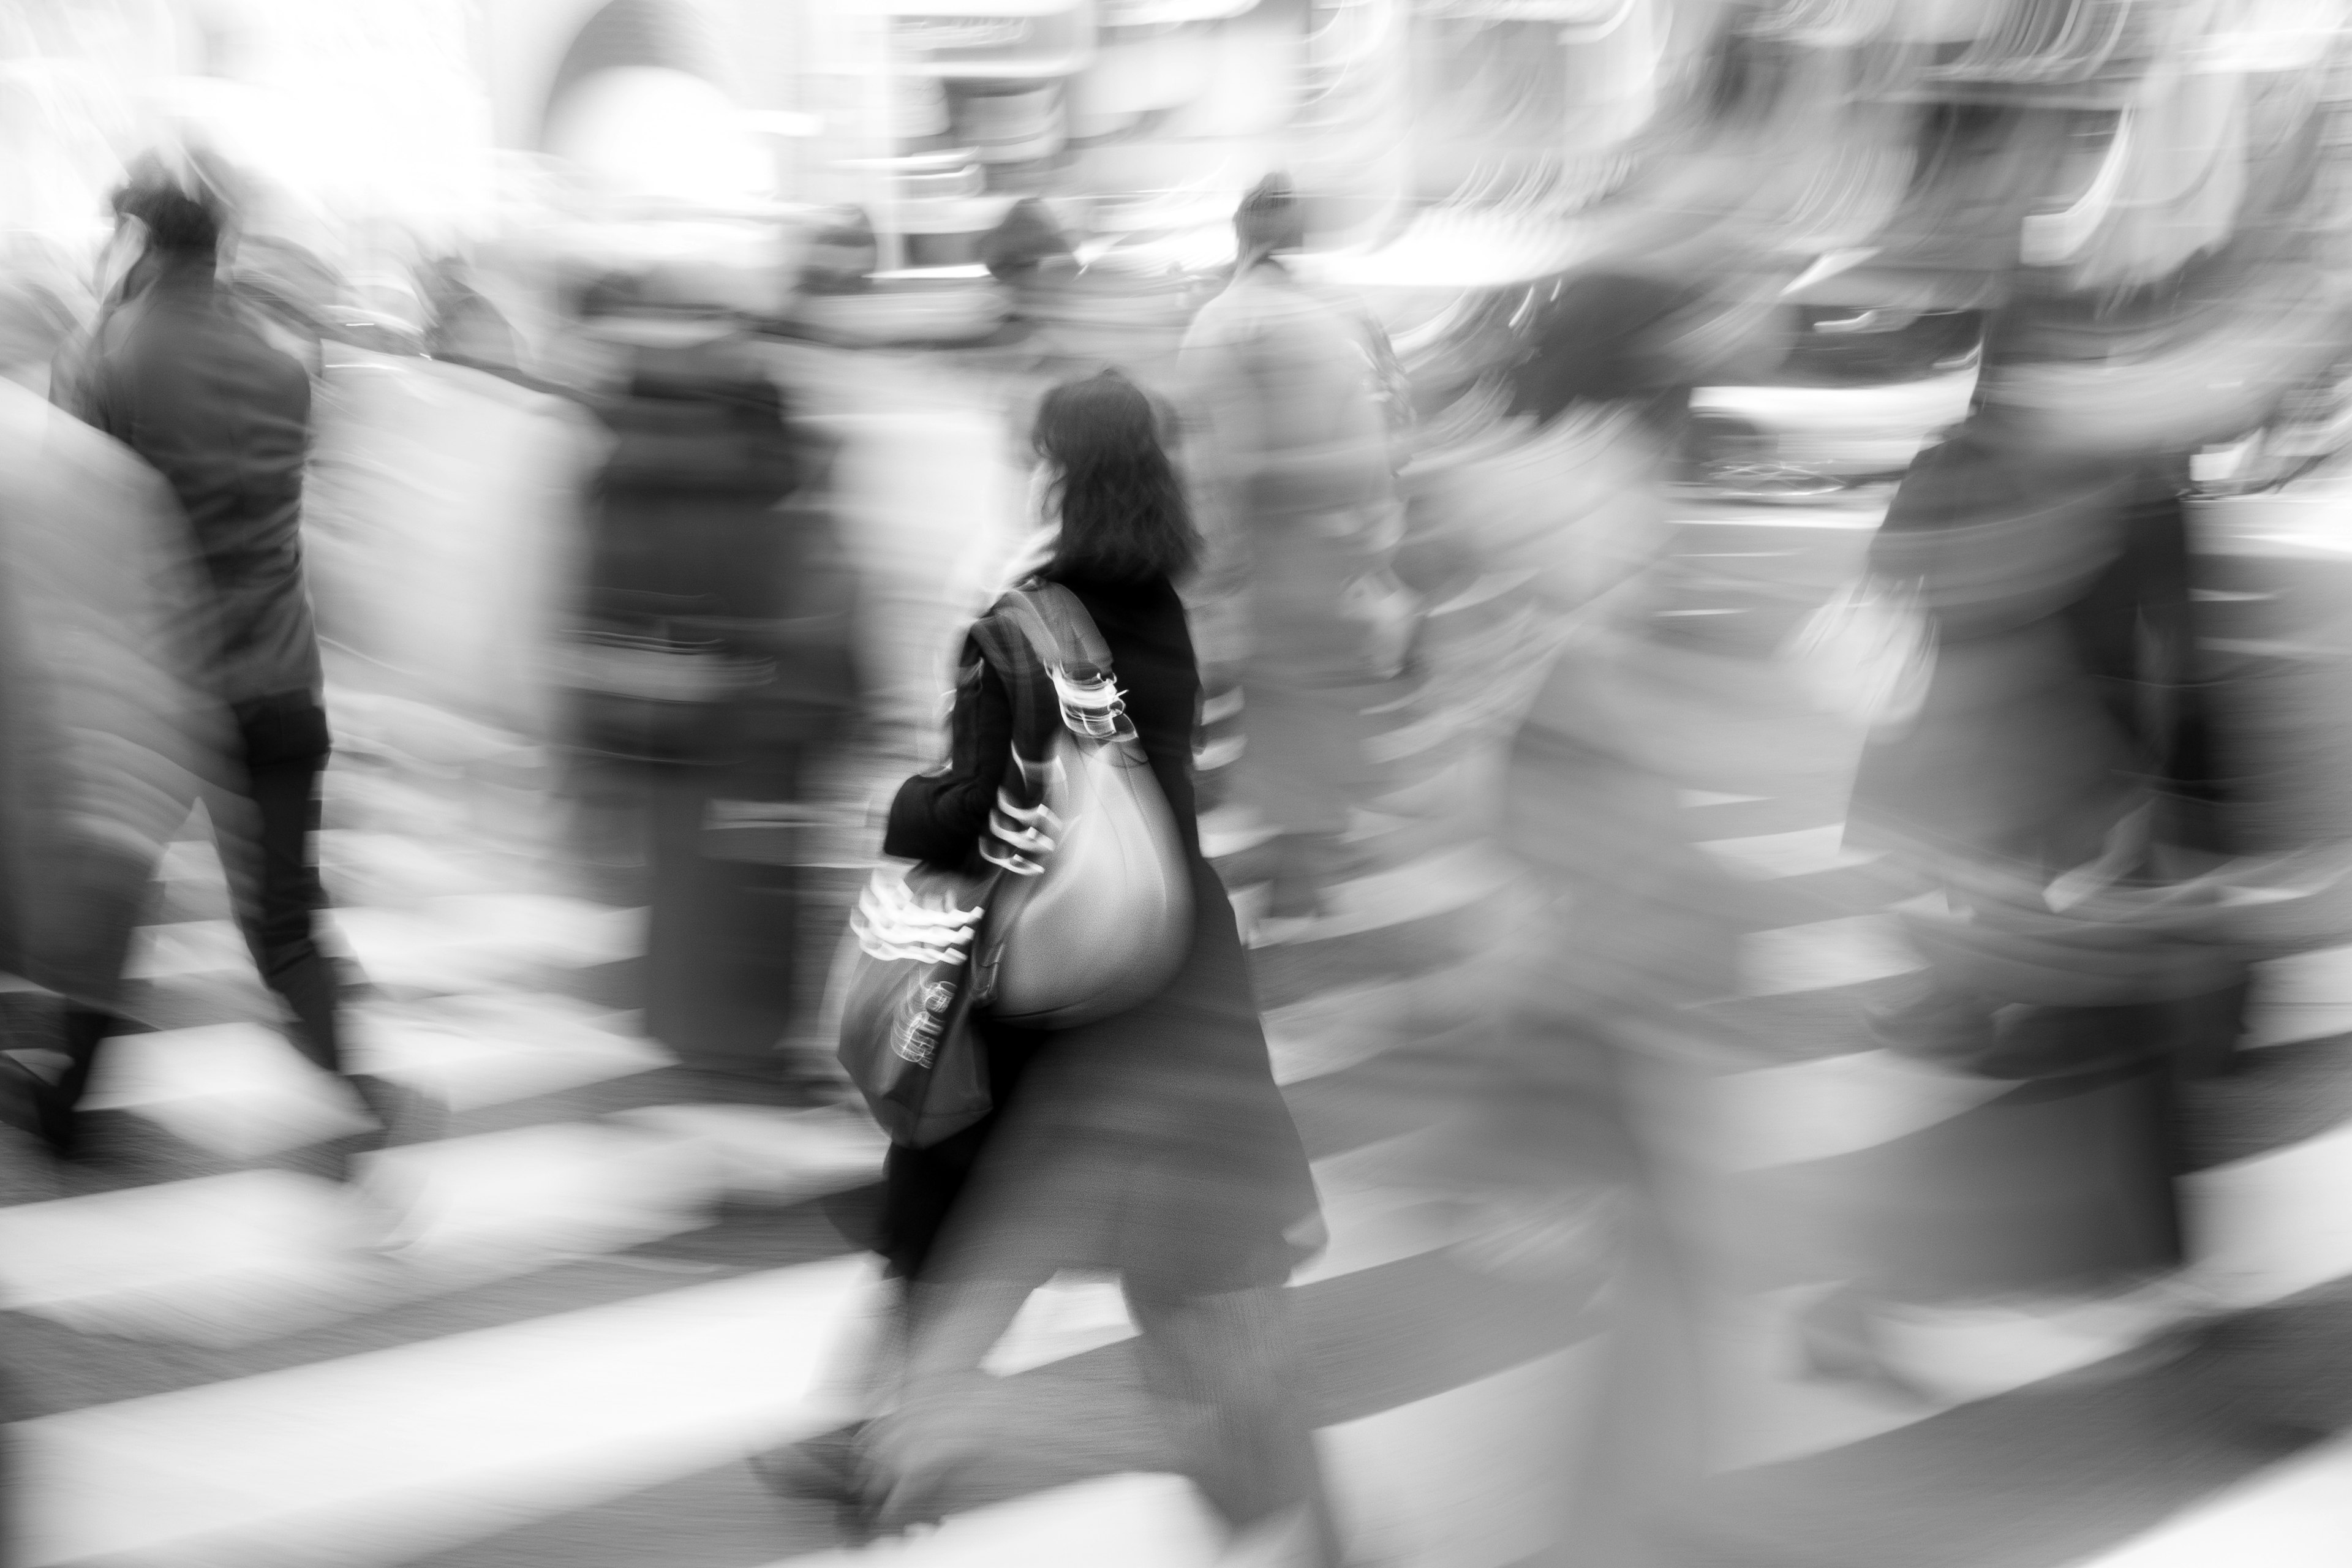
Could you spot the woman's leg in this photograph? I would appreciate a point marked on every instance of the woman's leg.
(1224, 1370)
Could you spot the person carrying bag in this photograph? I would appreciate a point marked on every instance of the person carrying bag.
(1101, 924)
(1088, 1088)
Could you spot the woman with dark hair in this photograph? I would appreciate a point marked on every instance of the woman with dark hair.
(1152, 1144)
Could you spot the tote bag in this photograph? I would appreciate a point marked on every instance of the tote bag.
(1109, 920)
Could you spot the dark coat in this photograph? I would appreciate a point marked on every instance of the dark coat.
(2060, 692)
(184, 374)
(1154, 1143)
(711, 522)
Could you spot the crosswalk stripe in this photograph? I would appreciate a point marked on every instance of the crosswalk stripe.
(241, 1090)
(2277, 1223)
(452, 943)
(2305, 997)
(1473, 1478)
(1802, 1111)
(1802, 853)
(1822, 955)
(2296, 1514)
(373, 1459)
(1157, 1521)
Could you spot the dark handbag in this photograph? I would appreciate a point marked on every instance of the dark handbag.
(1104, 922)
(910, 1040)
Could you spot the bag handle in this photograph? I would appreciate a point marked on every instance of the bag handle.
(1057, 670)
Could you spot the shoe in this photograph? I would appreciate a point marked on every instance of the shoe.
(32, 1105)
(23, 1099)
(829, 1471)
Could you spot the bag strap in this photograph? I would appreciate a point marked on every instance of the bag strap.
(1005, 645)
(1057, 668)
(1058, 628)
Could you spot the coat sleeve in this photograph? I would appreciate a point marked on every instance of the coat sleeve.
(937, 816)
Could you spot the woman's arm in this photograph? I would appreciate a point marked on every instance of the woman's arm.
(939, 816)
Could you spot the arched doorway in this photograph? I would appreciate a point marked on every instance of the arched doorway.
(641, 104)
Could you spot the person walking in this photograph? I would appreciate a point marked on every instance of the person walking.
(1152, 1144)
(102, 742)
(1296, 409)
(715, 554)
(180, 372)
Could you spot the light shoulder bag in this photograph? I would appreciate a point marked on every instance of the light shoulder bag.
(1107, 920)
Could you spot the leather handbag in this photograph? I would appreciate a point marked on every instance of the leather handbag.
(908, 1037)
(1102, 924)
(1108, 922)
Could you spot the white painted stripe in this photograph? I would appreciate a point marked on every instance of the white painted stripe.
(473, 1051)
(1224, 705)
(1801, 853)
(2267, 1228)
(1068, 1316)
(2295, 1514)
(231, 1260)
(242, 1091)
(779, 1155)
(1334, 1031)
(237, 1090)
(1810, 1111)
(221, 1260)
(445, 943)
(1229, 830)
(1432, 885)
(1823, 954)
(2303, 996)
(460, 943)
(1472, 1478)
(189, 859)
(377, 1458)
(1157, 1521)
(1703, 798)
(187, 947)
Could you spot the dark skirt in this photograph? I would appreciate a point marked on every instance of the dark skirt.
(1154, 1144)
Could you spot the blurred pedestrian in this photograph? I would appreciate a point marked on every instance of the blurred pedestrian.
(103, 744)
(1296, 410)
(179, 371)
(717, 670)
(1152, 1144)
(2057, 786)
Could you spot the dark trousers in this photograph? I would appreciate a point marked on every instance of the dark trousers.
(265, 835)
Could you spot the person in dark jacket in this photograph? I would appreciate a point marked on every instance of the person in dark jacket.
(183, 372)
(714, 554)
(1154, 1143)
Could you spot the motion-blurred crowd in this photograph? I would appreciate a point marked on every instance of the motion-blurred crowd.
(620, 531)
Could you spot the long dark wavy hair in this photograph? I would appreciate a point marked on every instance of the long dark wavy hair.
(1124, 518)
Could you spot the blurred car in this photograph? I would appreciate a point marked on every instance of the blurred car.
(2310, 431)
(1860, 390)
